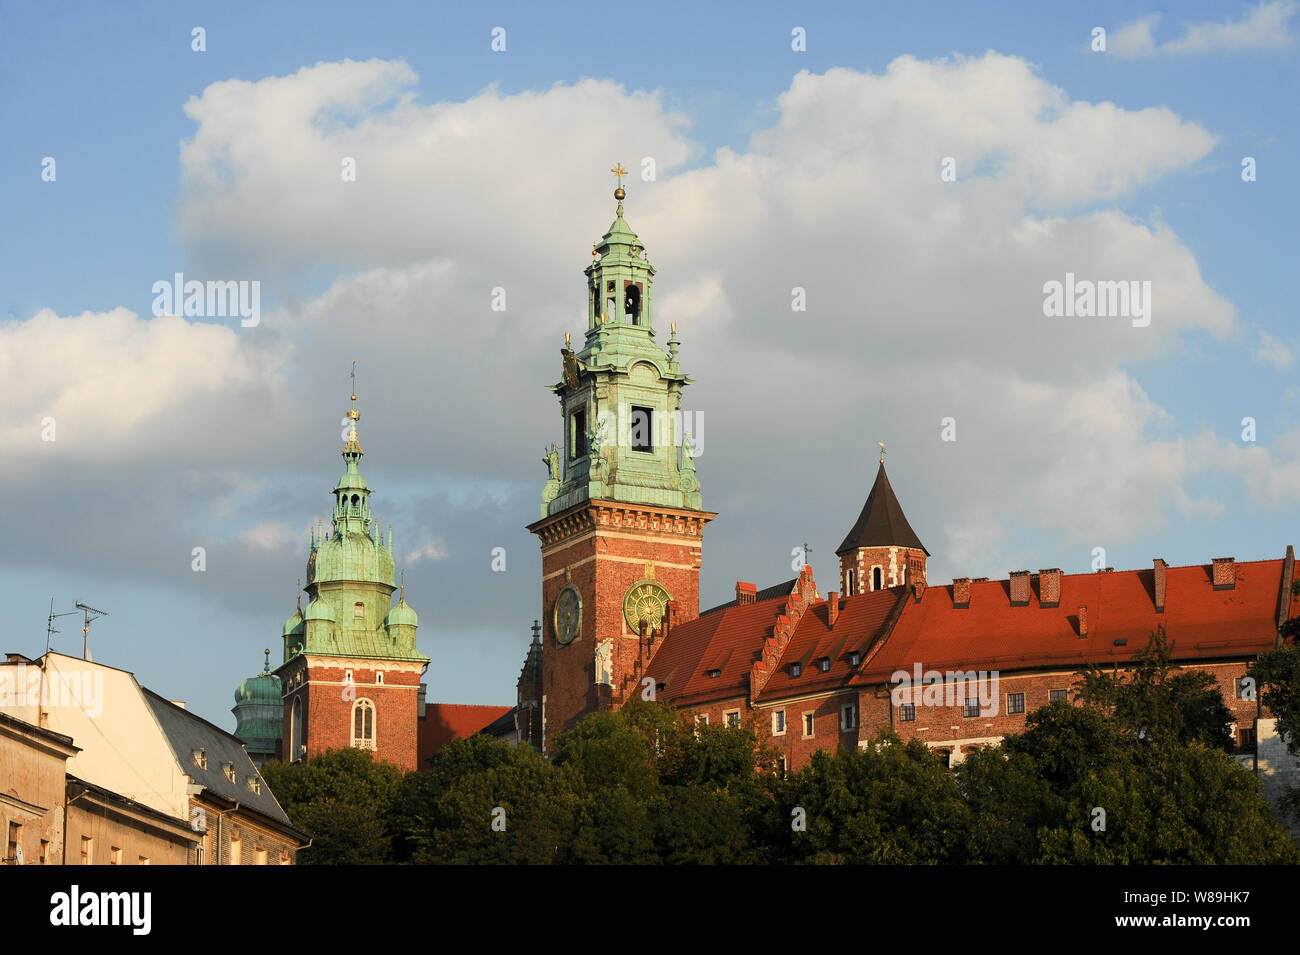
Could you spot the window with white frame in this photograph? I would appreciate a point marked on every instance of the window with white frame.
(363, 724)
(849, 716)
(778, 723)
(379, 678)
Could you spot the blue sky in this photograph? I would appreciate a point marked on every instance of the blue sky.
(224, 438)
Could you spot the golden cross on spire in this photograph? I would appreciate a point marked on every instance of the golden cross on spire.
(619, 171)
(882, 451)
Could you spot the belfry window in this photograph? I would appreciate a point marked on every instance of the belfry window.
(642, 429)
(632, 305)
(363, 724)
(876, 578)
(848, 584)
(578, 434)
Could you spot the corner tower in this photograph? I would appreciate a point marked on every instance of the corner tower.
(881, 549)
(351, 671)
(622, 522)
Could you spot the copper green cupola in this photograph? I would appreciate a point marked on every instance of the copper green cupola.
(350, 576)
(625, 436)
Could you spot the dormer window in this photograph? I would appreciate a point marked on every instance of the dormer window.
(855, 658)
(714, 673)
(201, 758)
(228, 770)
(796, 669)
(824, 664)
(255, 786)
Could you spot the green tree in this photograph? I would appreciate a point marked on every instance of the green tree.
(889, 802)
(343, 799)
(1158, 703)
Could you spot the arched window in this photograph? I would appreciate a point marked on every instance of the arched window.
(876, 579)
(295, 730)
(632, 305)
(363, 724)
(848, 584)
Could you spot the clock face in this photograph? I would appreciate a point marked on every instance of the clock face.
(645, 600)
(568, 615)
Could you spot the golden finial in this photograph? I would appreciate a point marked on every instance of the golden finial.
(353, 413)
(567, 340)
(673, 326)
(882, 451)
(620, 172)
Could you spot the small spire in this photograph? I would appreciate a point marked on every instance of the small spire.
(401, 598)
(882, 451)
(266, 667)
(537, 631)
(620, 193)
(353, 444)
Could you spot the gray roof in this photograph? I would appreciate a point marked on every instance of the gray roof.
(187, 733)
(783, 589)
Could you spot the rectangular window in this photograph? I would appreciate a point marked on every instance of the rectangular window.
(825, 664)
(702, 719)
(796, 669)
(807, 725)
(15, 836)
(907, 713)
(971, 706)
(642, 429)
(236, 851)
(578, 434)
(733, 719)
(1246, 739)
(115, 856)
(855, 658)
(1061, 695)
(45, 852)
(778, 723)
(1015, 702)
(848, 717)
(780, 766)
(87, 850)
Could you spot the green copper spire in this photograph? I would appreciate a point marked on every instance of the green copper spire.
(350, 576)
(259, 713)
(621, 392)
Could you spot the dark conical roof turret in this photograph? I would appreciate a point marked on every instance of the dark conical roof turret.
(882, 522)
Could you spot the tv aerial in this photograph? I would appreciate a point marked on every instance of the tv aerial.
(87, 610)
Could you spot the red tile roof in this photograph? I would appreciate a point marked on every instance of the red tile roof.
(893, 631)
(444, 722)
(1202, 623)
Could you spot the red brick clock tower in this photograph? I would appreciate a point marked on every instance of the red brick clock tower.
(621, 523)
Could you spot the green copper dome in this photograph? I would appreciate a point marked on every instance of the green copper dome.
(402, 615)
(259, 713)
(294, 624)
(319, 610)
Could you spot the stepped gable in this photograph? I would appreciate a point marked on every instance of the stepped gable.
(1118, 614)
(882, 522)
(861, 625)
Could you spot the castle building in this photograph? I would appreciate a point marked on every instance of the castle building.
(955, 666)
(351, 670)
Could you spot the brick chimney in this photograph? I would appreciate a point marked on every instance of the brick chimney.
(918, 589)
(832, 608)
(1049, 587)
(961, 592)
(1160, 567)
(1225, 573)
(745, 593)
(1020, 588)
(1083, 621)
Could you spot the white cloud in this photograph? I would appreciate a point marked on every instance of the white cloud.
(273, 535)
(1272, 352)
(430, 550)
(1266, 26)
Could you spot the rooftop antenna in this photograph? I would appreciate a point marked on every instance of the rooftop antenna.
(49, 624)
(87, 610)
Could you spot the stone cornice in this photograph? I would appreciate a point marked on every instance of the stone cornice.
(597, 515)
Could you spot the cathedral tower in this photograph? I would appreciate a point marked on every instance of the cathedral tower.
(351, 671)
(881, 549)
(621, 523)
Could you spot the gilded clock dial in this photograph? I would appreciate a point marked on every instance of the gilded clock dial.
(645, 600)
(568, 615)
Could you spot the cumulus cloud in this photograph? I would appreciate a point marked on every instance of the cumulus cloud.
(1273, 352)
(1265, 26)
